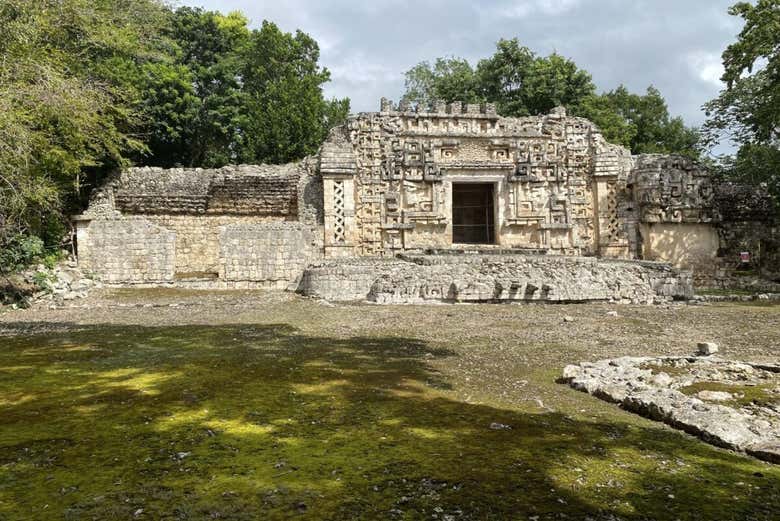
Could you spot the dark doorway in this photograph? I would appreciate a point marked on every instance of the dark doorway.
(472, 213)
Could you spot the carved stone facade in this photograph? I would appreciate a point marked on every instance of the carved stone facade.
(438, 181)
(392, 177)
(557, 185)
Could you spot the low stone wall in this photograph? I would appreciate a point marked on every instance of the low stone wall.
(346, 280)
(494, 278)
(209, 252)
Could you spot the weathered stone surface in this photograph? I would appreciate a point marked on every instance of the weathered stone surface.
(231, 190)
(715, 416)
(237, 226)
(707, 348)
(489, 278)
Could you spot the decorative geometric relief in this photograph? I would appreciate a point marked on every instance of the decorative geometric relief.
(339, 225)
(613, 228)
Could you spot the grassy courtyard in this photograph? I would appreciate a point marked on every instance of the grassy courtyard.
(260, 406)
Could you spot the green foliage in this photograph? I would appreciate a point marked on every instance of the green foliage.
(229, 94)
(63, 109)
(522, 83)
(287, 116)
(449, 79)
(747, 111)
(43, 280)
(640, 122)
(90, 85)
(602, 110)
(52, 258)
(514, 78)
(753, 164)
(208, 106)
(19, 251)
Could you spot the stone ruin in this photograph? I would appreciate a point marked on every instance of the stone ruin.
(730, 404)
(451, 202)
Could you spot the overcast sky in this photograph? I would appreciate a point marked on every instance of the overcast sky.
(368, 44)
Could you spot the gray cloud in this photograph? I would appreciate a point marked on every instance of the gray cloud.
(674, 45)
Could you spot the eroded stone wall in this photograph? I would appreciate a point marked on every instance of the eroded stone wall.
(495, 278)
(276, 253)
(127, 250)
(238, 226)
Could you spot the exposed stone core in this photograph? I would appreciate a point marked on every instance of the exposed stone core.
(731, 404)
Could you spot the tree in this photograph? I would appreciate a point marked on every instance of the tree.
(449, 79)
(514, 78)
(63, 109)
(87, 86)
(232, 94)
(747, 111)
(523, 84)
(287, 116)
(641, 123)
(210, 49)
(615, 126)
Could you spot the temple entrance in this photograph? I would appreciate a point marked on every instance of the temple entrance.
(473, 220)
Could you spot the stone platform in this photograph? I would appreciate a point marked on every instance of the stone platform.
(411, 279)
(730, 404)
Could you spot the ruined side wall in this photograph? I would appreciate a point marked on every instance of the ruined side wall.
(198, 240)
(684, 245)
(275, 253)
(749, 223)
(692, 220)
(244, 226)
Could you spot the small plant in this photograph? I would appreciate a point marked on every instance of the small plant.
(43, 280)
(51, 259)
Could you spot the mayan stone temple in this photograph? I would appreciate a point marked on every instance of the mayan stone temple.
(445, 203)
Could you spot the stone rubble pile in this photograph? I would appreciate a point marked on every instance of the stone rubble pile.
(65, 282)
(653, 387)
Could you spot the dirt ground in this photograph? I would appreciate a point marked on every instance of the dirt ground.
(449, 370)
(493, 342)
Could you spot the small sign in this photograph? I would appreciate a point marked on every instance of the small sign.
(744, 257)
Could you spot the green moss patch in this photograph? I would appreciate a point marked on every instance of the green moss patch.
(744, 395)
(266, 422)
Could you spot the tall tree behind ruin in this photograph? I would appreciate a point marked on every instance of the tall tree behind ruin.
(287, 116)
(747, 111)
(236, 95)
(522, 84)
(66, 105)
(87, 86)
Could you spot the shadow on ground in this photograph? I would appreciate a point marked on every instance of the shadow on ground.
(262, 422)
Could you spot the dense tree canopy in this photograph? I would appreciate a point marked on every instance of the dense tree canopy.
(89, 85)
(747, 112)
(639, 122)
(65, 105)
(286, 115)
(522, 83)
